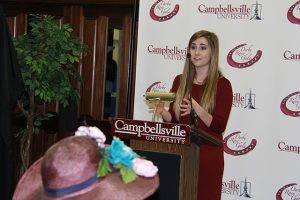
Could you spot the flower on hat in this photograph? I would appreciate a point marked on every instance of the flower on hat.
(92, 132)
(118, 152)
(126, 160)
(119, 156)
(143, 167)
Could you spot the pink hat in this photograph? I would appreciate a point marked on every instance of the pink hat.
(68, 170)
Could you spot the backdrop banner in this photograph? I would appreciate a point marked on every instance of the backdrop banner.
(260, 55)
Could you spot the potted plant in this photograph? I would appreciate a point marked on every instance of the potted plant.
(47, 55)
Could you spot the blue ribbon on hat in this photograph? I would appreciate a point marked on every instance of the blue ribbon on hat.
(71, 189)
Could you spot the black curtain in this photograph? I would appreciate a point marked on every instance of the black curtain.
(11, 87)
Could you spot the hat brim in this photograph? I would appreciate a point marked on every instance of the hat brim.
(111, 187)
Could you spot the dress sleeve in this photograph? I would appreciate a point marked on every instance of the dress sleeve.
(223, 106)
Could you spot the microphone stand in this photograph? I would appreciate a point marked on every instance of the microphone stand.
(193, 121)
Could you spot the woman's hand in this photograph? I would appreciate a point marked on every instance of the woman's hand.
(159, 108)
(203, 115)
(185, 107)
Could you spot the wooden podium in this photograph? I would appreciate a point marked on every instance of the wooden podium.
(186, 148)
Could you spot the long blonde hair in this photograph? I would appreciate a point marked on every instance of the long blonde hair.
(186, 81)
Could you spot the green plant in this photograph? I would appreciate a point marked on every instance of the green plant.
(47, 55)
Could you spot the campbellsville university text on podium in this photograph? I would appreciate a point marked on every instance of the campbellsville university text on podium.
(151, 131)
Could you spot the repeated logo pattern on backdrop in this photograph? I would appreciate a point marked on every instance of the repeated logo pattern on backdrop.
(289, 191)
(243, 53)
(239, 144)
(290, 105)
(260, 55)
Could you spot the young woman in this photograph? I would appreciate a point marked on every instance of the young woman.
(202, 87)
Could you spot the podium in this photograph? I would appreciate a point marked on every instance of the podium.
(174, 148)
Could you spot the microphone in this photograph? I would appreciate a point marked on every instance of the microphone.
(188, 55)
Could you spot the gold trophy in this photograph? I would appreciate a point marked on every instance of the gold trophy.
(159, 97)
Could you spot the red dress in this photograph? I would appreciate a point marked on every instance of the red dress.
(211, 157)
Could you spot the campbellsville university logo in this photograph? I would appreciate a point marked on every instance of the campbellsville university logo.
(168, 52)
(237, 144)
(233, 12)
(232, 187)
(246, 101)
(293, 13)
(151, 131)
(163, 10)
(242, 56)
(290, 105)
(288, 192)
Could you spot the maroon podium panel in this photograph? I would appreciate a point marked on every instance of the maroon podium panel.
(151, 131)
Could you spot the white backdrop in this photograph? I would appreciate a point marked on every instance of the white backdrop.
(260, 55)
